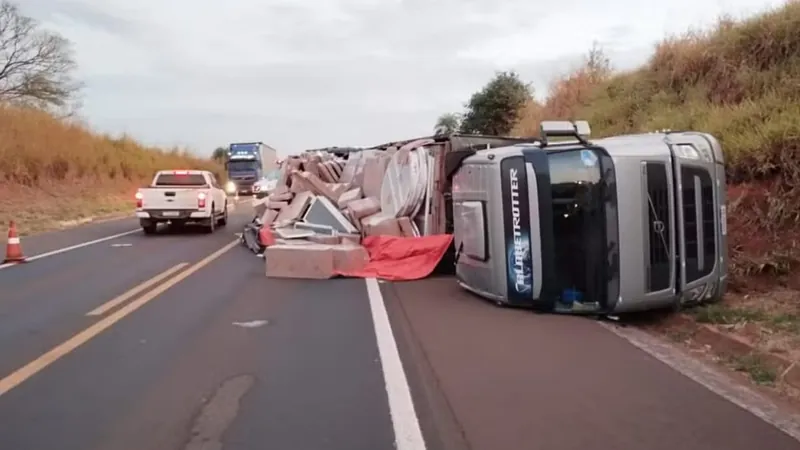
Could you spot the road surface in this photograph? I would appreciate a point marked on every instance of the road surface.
(179, 341)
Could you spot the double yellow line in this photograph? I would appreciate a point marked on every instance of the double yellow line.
(32, 368)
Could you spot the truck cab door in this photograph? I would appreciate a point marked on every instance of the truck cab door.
(700, 216)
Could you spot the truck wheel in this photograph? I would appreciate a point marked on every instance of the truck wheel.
(149, 227)
(224, 220)
(212, 222)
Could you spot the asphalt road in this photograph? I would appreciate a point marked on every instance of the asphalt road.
(211, 354)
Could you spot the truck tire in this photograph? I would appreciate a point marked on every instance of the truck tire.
(211, 226)
(149, 227)
(224, 220)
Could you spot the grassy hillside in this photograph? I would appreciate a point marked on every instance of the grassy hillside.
(739, 81)
(51, 171)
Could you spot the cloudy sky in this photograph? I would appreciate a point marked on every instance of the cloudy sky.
(301, 74)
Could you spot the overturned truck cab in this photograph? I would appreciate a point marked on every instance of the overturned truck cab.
(608, 226)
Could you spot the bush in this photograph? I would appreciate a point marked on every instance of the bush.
(37, 149)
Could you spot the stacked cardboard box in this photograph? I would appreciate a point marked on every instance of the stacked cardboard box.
(320, 210)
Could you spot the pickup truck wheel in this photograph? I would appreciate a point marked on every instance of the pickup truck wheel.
(150, 228)
(212, 222)
(224, 220)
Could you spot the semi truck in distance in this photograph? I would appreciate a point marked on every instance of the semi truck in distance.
(246, 163)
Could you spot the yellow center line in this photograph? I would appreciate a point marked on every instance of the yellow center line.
(111, 304)
(32, 368)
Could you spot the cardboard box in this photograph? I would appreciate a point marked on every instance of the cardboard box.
(405, 226)
(281, 197)
(277, 205)
(300, 184)
(325, 239)
(364, 207)
(311, 166)
(350, 238)
(326, 174)
(268, 217)
(297, 207)
(319, 187)
(348, 196)
(349, 257)
(338, 189)
(374, 169)
(308, 261)
(381, 224)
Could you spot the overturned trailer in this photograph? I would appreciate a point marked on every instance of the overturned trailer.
(540, 224)
(340, 152)
(446, 152)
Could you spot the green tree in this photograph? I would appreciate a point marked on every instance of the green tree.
(36, 66)
(496, 107)
(220, 154)
(447, 124)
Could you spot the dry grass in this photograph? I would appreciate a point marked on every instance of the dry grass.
(51, 170)
(739, 81)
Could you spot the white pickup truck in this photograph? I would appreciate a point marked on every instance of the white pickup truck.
(182, 196)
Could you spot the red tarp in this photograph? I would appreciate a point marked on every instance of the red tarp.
(265, 236)
(402, 258)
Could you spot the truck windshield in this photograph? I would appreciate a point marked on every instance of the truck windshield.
(170, 179)
(578, 223)
(251, 148)
(240, 166)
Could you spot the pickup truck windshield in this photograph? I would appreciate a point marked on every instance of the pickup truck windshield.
(170, 179)
(578, 220)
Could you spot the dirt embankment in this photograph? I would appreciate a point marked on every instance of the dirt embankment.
(738, 81)
(53, 171)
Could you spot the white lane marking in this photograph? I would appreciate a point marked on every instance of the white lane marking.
(251, 324)
(72, 247)
(407, 433)
(712, 379)
(113, 303)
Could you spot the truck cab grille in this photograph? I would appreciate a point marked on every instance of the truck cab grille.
(698, 222)
(658, 226)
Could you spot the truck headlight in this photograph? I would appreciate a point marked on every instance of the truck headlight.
(230, 187)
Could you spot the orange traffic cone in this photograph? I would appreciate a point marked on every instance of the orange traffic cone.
(13, 248)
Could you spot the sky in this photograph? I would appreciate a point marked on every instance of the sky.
(300, 74)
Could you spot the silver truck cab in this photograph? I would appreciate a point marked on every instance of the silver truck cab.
(614, 225)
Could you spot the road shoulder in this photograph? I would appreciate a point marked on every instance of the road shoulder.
(512, 377)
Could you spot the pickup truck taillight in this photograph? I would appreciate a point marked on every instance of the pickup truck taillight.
(201, 200)
(139, 200)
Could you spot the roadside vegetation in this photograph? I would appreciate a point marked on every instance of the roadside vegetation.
(53, 167)
(739, 81)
